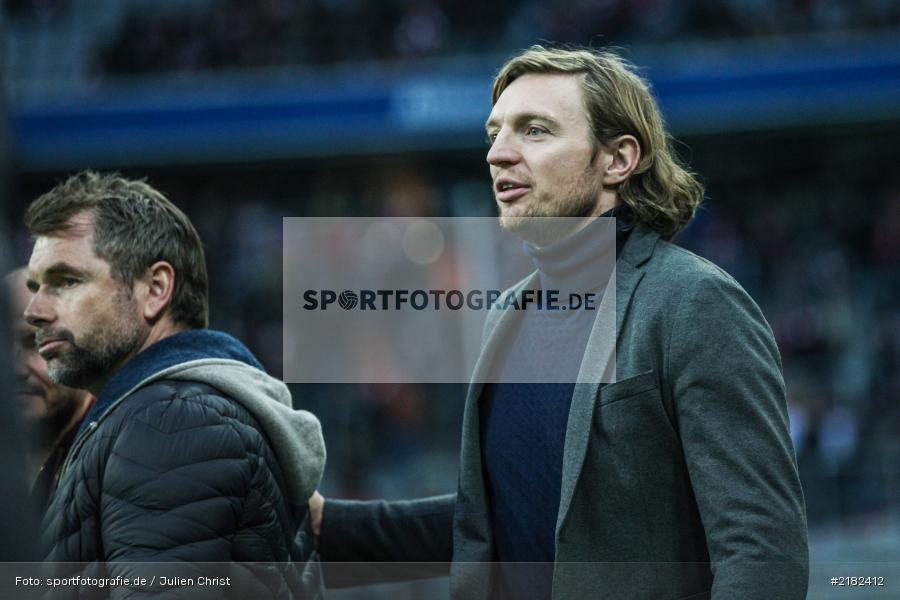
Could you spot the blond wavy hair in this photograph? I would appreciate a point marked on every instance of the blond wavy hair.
(661, 191)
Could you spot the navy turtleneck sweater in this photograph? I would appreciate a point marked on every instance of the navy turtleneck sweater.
(525, 413)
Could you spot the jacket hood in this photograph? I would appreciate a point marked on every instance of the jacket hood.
(295, 435)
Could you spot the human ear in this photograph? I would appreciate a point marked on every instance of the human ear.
(160, 285)
(622, 157)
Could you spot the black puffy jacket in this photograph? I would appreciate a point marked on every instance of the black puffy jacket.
(179, 472)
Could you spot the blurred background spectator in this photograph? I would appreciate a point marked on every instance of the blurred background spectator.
(17, 518)
(248, 111)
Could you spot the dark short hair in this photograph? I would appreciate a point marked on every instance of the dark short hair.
(662, 192)
(134, 226)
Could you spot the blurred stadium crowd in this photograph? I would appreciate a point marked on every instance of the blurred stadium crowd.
(816, 241)
(219, 34)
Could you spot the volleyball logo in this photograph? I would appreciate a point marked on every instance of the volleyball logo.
(348, 300)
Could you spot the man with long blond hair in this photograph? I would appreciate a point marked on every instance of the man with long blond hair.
(674, 478)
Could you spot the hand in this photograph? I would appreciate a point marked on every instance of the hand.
(316, 510)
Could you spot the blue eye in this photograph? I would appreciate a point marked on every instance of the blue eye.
(533, 131)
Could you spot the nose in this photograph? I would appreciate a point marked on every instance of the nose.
(40, 311)
(503, 151)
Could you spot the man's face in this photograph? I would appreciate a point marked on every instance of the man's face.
(542, 155)
(39, 398)
(87, 324)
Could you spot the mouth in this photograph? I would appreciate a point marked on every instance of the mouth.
(49, 346)
(29, 392)
(27, 396)
(46, 343)
(508, 190)
(29, 389)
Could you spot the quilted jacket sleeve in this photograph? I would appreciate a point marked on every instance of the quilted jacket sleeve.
(188, 482)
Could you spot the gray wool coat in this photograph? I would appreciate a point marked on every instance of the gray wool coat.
(679, 479)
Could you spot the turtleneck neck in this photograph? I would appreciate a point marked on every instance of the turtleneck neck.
(582, 261)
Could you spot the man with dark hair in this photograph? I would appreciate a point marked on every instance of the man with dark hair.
(191, 453)
(51, 412)
(673, 478)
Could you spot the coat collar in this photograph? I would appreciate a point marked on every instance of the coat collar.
(637, 250)
(639, 247)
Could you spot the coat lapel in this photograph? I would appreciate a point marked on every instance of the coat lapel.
(497, 327)
(599, 363)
